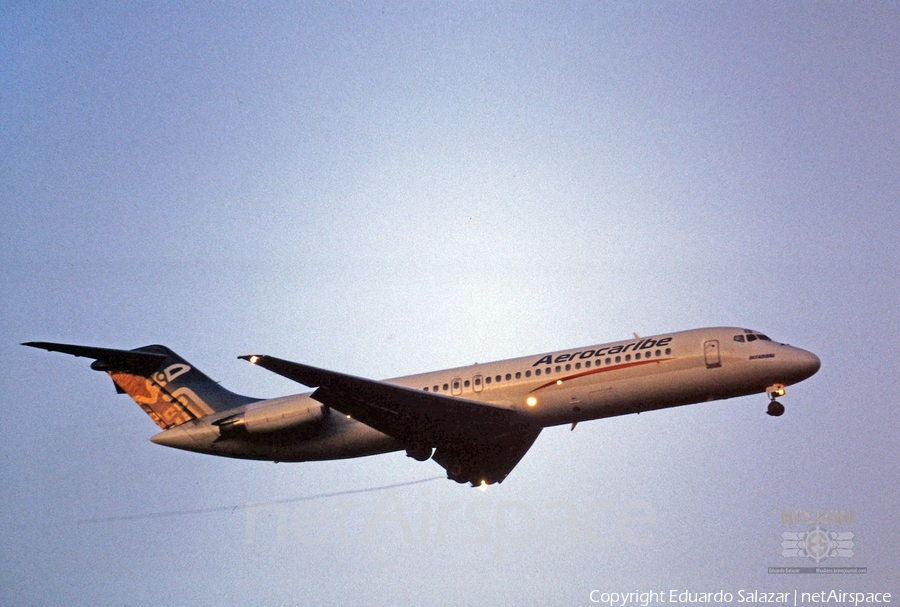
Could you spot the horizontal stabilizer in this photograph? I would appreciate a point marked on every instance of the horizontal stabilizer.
(168, 388)
(108, 359)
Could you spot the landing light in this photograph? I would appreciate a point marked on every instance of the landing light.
(531, 401)
(254, 359)
(483, 486)
(558, 382)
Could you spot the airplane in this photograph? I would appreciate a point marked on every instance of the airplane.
(476, 422)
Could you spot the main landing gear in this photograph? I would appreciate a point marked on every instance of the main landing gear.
(775, 408)
(419, 452)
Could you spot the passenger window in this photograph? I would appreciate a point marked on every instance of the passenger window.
(537, 372)
(456, 385)
(637, 356)
(568, 367)
(527, 373)
(658, 352)
(739, 338)
(487, 379)
(508, 377)
(668, 351)
(446, 387)
(627, 357)
(435, 389)
(477, 381)
(618, 359)
(499, 378)
(425, 388)
(587, 365)
(518, 375)
(558, 368)
(466, 383)
(578, 365)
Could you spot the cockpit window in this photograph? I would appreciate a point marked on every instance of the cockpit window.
(751, 336)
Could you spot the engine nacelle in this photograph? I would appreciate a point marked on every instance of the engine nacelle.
(275, 415)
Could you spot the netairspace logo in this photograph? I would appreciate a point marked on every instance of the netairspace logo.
(422, 521)
(795, 598)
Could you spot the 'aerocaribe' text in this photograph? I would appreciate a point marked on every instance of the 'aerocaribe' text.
(643, 344)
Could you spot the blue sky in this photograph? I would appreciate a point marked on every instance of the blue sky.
(394, 188)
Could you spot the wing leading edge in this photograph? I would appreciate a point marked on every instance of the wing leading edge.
(475, 442)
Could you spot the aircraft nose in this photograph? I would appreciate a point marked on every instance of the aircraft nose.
(808, 363)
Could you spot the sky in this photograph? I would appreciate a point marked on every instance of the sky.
(391, 188)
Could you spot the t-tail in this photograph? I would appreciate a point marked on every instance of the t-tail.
(166, 386)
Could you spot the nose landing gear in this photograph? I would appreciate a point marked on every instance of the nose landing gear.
(775, 408)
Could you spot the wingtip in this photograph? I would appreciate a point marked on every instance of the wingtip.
(250, 358)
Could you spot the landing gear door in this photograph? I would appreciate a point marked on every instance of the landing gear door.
(711, 353)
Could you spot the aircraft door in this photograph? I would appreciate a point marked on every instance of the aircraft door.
(477, 383)
(456, 386)
(711, 353)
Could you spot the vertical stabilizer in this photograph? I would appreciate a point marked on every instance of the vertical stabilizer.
(163, 384)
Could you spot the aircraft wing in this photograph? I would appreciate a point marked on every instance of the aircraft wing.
(473, 441)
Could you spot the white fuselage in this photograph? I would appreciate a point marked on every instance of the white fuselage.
(563, 387)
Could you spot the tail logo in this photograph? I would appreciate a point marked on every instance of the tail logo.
(171, 372)
(166, 408)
